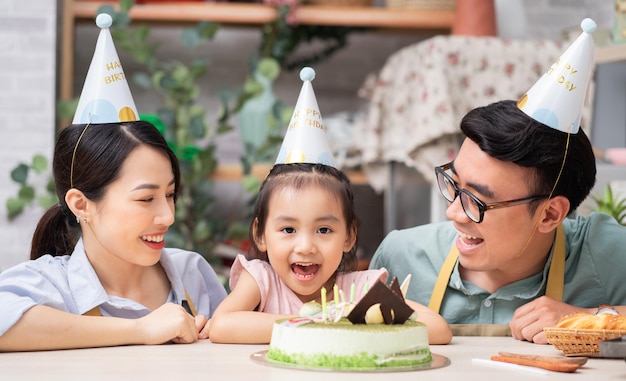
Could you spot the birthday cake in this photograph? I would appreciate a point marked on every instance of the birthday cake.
(378, 332)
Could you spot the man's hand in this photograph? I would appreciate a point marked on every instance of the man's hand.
(530, 319)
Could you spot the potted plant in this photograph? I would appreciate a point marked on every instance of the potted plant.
(611, 205)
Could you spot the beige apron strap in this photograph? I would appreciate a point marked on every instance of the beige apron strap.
(497, 330)
(443, 279)
(554, 286)
(93, 312)
(96, 310)
(556, 274)
(192, 307)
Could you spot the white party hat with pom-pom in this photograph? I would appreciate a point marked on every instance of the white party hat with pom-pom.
(105, 97)
(305, 140)
(556, 99)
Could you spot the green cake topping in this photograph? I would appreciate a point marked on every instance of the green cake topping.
(360, 360)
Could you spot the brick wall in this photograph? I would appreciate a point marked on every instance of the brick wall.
(27, 101)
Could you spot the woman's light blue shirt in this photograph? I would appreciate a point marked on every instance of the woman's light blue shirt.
(69, 283)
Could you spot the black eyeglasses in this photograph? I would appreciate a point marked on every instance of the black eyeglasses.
(473, 207)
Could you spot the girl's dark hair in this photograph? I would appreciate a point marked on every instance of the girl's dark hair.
(99, 156)
(298, 176)
(506, 133)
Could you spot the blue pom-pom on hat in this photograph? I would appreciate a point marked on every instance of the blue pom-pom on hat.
(307, 74)
(588, 25)
(104, 20)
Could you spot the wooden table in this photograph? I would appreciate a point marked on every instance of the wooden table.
(207, 361)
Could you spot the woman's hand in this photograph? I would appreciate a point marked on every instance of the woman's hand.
(170, 322)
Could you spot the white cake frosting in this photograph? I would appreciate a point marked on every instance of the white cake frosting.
(345, 345)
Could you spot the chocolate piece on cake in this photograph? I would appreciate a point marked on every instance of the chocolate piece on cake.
(392, 306)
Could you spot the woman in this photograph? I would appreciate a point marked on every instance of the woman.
(100, 251)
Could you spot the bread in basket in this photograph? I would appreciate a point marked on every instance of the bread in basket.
(580, 334)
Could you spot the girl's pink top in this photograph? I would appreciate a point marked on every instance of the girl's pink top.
(277, 298)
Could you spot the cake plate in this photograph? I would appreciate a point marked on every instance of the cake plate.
(438, 361)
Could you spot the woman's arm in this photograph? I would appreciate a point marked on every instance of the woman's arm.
(46, 328)
(236, 321)
(439, 331)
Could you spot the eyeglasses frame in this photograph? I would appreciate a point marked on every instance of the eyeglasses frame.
(482, 206)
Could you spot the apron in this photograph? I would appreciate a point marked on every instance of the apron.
(187, 305)
(554, 289)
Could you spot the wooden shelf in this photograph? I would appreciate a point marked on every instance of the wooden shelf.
(606, 54)
(253, 14)
(433, 21)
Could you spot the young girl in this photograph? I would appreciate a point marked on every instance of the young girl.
(304, 238)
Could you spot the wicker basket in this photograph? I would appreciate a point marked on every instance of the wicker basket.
(343, 3)
(422, 4)
(580, 342)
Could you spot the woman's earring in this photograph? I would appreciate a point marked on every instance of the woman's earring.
(85, 220)
(78, 220)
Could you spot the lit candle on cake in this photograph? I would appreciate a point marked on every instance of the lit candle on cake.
(323, 303)
(336, 294)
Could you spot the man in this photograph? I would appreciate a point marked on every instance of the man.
(509, 257)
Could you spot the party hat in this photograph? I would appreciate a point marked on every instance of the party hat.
(556, 99)
(105, 97)
(305, 140)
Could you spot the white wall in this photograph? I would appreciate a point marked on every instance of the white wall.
(27, 101)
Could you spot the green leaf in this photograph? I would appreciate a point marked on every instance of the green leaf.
(20, 173)
(251, 184)
(50, 187)
(26, 193)
(190, 37)
(108, 9)
(190, 152)
(223, 128)
(67, 108)
(252, 87)
(269, 68)
(141, 35)
(207, 29)
(202, 231)
(157, 80)
(283, 113)
(208, 160)
(46, 201)
(143, 80)
(609, 204)
(15, 207)
(197, 128)
(126, 5)
(40, 163)
(199, 66)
